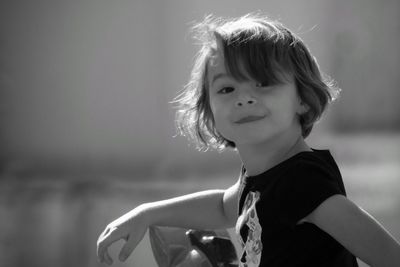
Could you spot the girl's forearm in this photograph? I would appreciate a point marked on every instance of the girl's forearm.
(201, 210)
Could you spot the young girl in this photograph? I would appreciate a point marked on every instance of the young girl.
(256, 88)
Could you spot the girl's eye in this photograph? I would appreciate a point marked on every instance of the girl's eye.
(226, 90)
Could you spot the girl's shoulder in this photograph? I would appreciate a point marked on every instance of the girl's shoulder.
(315, 162)
(313, 171)
(306, 167)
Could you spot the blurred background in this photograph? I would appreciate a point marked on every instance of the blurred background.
(87, 129)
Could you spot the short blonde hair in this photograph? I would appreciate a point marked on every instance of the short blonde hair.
(264, 49)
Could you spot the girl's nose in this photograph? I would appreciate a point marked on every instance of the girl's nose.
(245, 100)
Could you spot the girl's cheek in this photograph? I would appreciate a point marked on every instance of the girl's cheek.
(215, 106)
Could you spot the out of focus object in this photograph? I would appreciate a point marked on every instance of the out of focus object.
(177, 247)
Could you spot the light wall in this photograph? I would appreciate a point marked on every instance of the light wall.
(86, 84)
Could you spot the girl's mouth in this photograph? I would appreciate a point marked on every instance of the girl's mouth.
(249, 119)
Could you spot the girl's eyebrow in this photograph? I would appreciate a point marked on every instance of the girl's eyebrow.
(220, 75)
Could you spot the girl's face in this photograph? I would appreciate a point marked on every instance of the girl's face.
(248, 112)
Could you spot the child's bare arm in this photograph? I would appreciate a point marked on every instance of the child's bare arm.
(209, 209)
(356, 230)
(212, 209)
(201, 210)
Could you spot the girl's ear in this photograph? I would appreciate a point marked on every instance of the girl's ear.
(303, 108)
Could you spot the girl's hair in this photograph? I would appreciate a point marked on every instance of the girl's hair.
(254, 47)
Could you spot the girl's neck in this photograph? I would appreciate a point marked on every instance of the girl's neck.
(257, 158)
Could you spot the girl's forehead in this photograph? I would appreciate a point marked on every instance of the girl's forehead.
(216, 54)
(215, 68)
(216, 60)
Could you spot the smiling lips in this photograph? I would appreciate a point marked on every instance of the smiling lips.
(249, 119)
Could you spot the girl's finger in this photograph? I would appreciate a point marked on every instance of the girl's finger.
(133, 240)
(106, 231)
(103, 234)
(103, 245)
(107, 257)
(127, 249)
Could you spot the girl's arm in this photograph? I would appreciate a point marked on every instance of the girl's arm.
(210, 209)
(356, 230)
(201, 210)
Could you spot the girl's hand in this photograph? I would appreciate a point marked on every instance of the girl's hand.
(131, 227)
